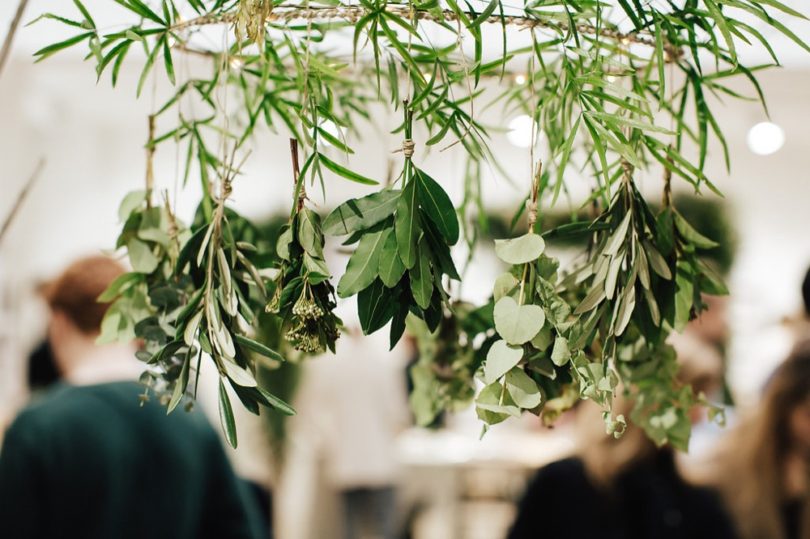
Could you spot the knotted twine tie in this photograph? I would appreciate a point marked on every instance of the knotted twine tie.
(531, 212)
(407, 149)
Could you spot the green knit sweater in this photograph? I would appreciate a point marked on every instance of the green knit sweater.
(89, 462)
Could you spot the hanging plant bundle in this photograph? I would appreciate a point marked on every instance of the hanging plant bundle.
(304, 296)
(444, 375)
(642, 281)
(197, 299)
(529, 365)
(403, 249)
(600, 80)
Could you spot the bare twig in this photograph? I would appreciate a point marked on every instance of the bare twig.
(21, 198)
(531, 203)
(286, 13)
(150, 157)
(302, 193)
(12, 30)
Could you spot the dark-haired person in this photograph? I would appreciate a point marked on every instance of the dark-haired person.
(763, 469)
(626, 488)
(87, 461)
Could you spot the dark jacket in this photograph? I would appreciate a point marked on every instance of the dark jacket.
(648, 501)
(89, 462)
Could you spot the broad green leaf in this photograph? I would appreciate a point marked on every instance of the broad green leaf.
(421, 278)
(684, 297)
(391, 267)
(657, 262)
(141, 256)
(153, 227)
(121, 284)
(309, 235)
(406, 225)
(132, 201)
(543, 339)
(283, 244)
(524, 391)
(437, 206)
(690, 234)
(520, 250)
(361, 213)
(517, 324)
(494, 404)
(111, 327)
(505, 284)
(500, 359)
(364, 263)
(375, 307)
(440, 251)
(317, 270)
(711, 282)
(226, 416)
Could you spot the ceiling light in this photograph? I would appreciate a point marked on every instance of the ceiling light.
(520, 131)
(765, 138)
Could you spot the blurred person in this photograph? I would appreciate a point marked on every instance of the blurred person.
(350, 409)
(763, 470)
(42, 371)
(625, 488)
(86, 460)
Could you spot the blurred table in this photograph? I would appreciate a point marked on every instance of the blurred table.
(457, 486)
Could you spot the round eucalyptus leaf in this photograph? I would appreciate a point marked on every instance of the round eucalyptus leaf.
(520, 250)
(543, 339)
(500, 359)
(523, 389)
(518, 324)
(504, 284)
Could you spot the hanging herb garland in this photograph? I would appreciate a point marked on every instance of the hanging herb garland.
(597, 87)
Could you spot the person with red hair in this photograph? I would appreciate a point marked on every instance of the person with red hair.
(88, 460)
